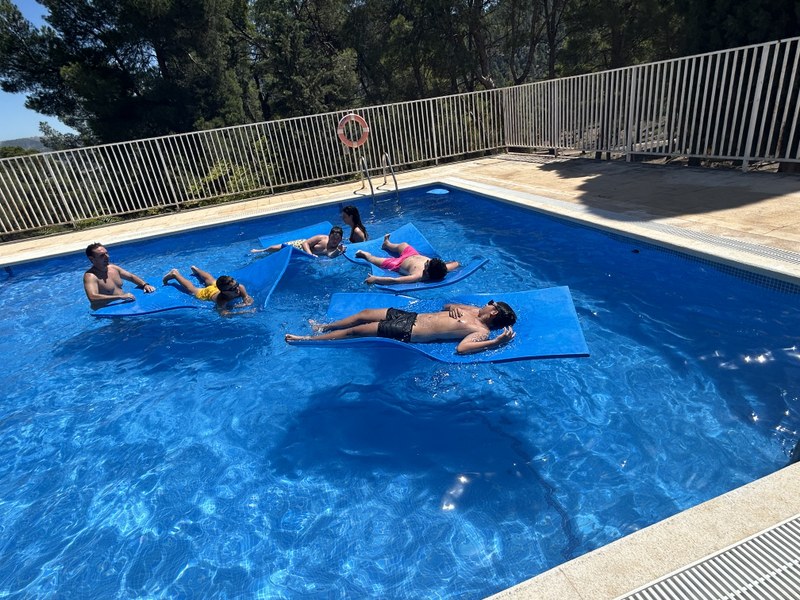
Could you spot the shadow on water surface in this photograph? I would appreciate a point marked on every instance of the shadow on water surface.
(166, 342)
(460, 452)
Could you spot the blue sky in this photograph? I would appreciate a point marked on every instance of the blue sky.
(18, 121)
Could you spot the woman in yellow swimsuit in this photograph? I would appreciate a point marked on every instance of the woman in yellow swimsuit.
(220, 291)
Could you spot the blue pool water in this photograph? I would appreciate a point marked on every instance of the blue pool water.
(190, 455)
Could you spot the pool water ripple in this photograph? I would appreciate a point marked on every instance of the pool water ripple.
(190, 455)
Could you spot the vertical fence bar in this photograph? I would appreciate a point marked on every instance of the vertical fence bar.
(768, 95)
(789, 102)
(754, 112)
(747, 91)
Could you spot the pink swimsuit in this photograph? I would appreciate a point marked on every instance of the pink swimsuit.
(393, 262)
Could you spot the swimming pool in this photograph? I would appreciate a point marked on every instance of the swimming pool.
(195, 455)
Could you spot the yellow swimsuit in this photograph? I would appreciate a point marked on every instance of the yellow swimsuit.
(295, 244)
(207, 293)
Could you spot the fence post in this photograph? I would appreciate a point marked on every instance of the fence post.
(633, 84)
(434, 138)
(556, 141)
(751, 131)
(166, 174)
(505, 112)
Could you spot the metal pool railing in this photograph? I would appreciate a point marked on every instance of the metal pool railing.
(738, 104)
(111, 180)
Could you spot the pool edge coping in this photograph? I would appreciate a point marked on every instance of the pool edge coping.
(669, 546)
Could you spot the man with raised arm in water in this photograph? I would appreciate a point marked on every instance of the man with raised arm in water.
(469, 325)
(103, 281)
(411, 265)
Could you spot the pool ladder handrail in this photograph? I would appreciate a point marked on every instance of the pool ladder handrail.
(365, 173)
(387, 163)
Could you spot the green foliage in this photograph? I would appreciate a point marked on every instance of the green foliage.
(608, 34)
(301, 65)
(223, 176)
(122, 69)
(56, 140)
(11, 151)
(719, 24)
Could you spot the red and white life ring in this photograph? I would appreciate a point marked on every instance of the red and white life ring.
(364, 130)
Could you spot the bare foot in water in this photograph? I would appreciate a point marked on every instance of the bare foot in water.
(317, 327)
(295, 338)
(169, 276)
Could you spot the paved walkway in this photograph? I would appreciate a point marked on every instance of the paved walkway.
(761, 208)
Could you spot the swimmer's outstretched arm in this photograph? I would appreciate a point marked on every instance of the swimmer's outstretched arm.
(136, 280)
(393, 280)
(477, 342)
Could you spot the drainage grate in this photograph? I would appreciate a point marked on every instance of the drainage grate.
(764, 251)
(764, 567)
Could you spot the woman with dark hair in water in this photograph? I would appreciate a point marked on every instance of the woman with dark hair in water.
(351, 217)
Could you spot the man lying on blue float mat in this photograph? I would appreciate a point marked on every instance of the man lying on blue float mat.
(375, 253)
(469, 325)
(329, 245)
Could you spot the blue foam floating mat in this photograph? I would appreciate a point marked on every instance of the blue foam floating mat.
(547, 325)
(452, 277)
(303, 233)
(438, 191)
(407, 233)
(260, 278)
(163, 299)
(411, 235)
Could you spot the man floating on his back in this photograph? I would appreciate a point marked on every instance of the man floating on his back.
(469, 325)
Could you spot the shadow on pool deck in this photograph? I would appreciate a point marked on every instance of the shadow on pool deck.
(755, 207)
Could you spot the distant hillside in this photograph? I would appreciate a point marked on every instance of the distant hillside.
(33, 143)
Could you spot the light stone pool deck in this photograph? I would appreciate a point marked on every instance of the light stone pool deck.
(748, 220)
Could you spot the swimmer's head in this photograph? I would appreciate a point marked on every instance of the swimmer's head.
(226, 283)
(504, 314)
(435, 270)
(335, 236)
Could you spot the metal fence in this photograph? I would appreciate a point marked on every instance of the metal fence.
(738, 104)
